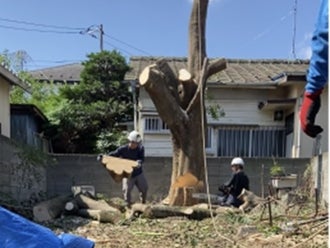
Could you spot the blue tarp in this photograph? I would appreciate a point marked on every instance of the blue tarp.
(18, 232)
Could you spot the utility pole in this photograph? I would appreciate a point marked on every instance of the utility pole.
(101, 37)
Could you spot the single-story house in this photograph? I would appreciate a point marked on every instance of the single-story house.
(260, 100)
(7, 79)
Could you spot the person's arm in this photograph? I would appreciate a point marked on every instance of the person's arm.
(140, 159)
(116, 153)
(230, 183)
(317, 75)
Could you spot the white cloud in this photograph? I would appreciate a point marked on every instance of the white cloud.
(304, 47)
(305, 52)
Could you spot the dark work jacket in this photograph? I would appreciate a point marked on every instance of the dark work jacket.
(131, 154)
(238, 181)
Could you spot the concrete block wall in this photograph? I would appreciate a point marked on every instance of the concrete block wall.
(85, 169)
(18, 180)
(76, 169)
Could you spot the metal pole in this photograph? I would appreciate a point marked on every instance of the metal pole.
(318, 156)
(101, 37)
(262, 181)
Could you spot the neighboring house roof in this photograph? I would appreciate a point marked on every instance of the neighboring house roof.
(59, 74)
(12, 78)
(238, 71)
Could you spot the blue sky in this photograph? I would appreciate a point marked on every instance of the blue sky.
(246, 29)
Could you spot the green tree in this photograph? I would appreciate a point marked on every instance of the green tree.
(43, 95)
(89, 119)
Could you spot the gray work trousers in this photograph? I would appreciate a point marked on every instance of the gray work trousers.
(128, 185)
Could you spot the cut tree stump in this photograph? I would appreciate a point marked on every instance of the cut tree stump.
(187, 185)
(50, 209)
(118, 168)
(71, 207)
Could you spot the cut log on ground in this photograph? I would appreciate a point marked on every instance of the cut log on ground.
(71, 207)
(85, 202)
(163, 211)
(250, 200)
(50, 209)
(104, 216)
(118, 203)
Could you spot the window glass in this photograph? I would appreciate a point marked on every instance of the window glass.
(251, 141)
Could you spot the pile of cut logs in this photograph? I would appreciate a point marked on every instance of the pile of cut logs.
(81, 204)
(86, 206)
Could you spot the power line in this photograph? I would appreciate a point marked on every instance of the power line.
(38, 24)
(125, 43)
(37, 30)
(91, 30)
(120, 49)
(99, 29)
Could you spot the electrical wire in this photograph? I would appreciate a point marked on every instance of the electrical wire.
(37, 30)
(38, 24)
(75, 30)
(125, 43)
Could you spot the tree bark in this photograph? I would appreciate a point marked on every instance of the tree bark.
(179, 100)
(104, 216)
(161, 211)
(85, 202)
(50, 209)
(71, 207)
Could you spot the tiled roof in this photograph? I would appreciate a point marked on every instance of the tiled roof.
(238, 71)
(65, 73)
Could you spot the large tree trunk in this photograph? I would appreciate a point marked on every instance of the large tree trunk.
(179, 100)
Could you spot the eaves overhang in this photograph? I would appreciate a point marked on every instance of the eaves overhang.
(13, 79)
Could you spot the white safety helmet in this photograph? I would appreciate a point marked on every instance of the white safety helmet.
(237, 161)
(134, 136)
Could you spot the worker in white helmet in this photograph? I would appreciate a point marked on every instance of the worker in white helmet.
(234, 186)
(134, 150)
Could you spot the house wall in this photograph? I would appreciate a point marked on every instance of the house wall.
(241, 108)
(4, 108)
(24, 128)
(322, 119)
(303, 145)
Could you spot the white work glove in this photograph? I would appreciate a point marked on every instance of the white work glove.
(99, 157)
(139, 164)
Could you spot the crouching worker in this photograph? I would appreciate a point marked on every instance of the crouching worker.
(233, 188)
(134, 150)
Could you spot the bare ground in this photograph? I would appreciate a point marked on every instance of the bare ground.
(296, 228)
